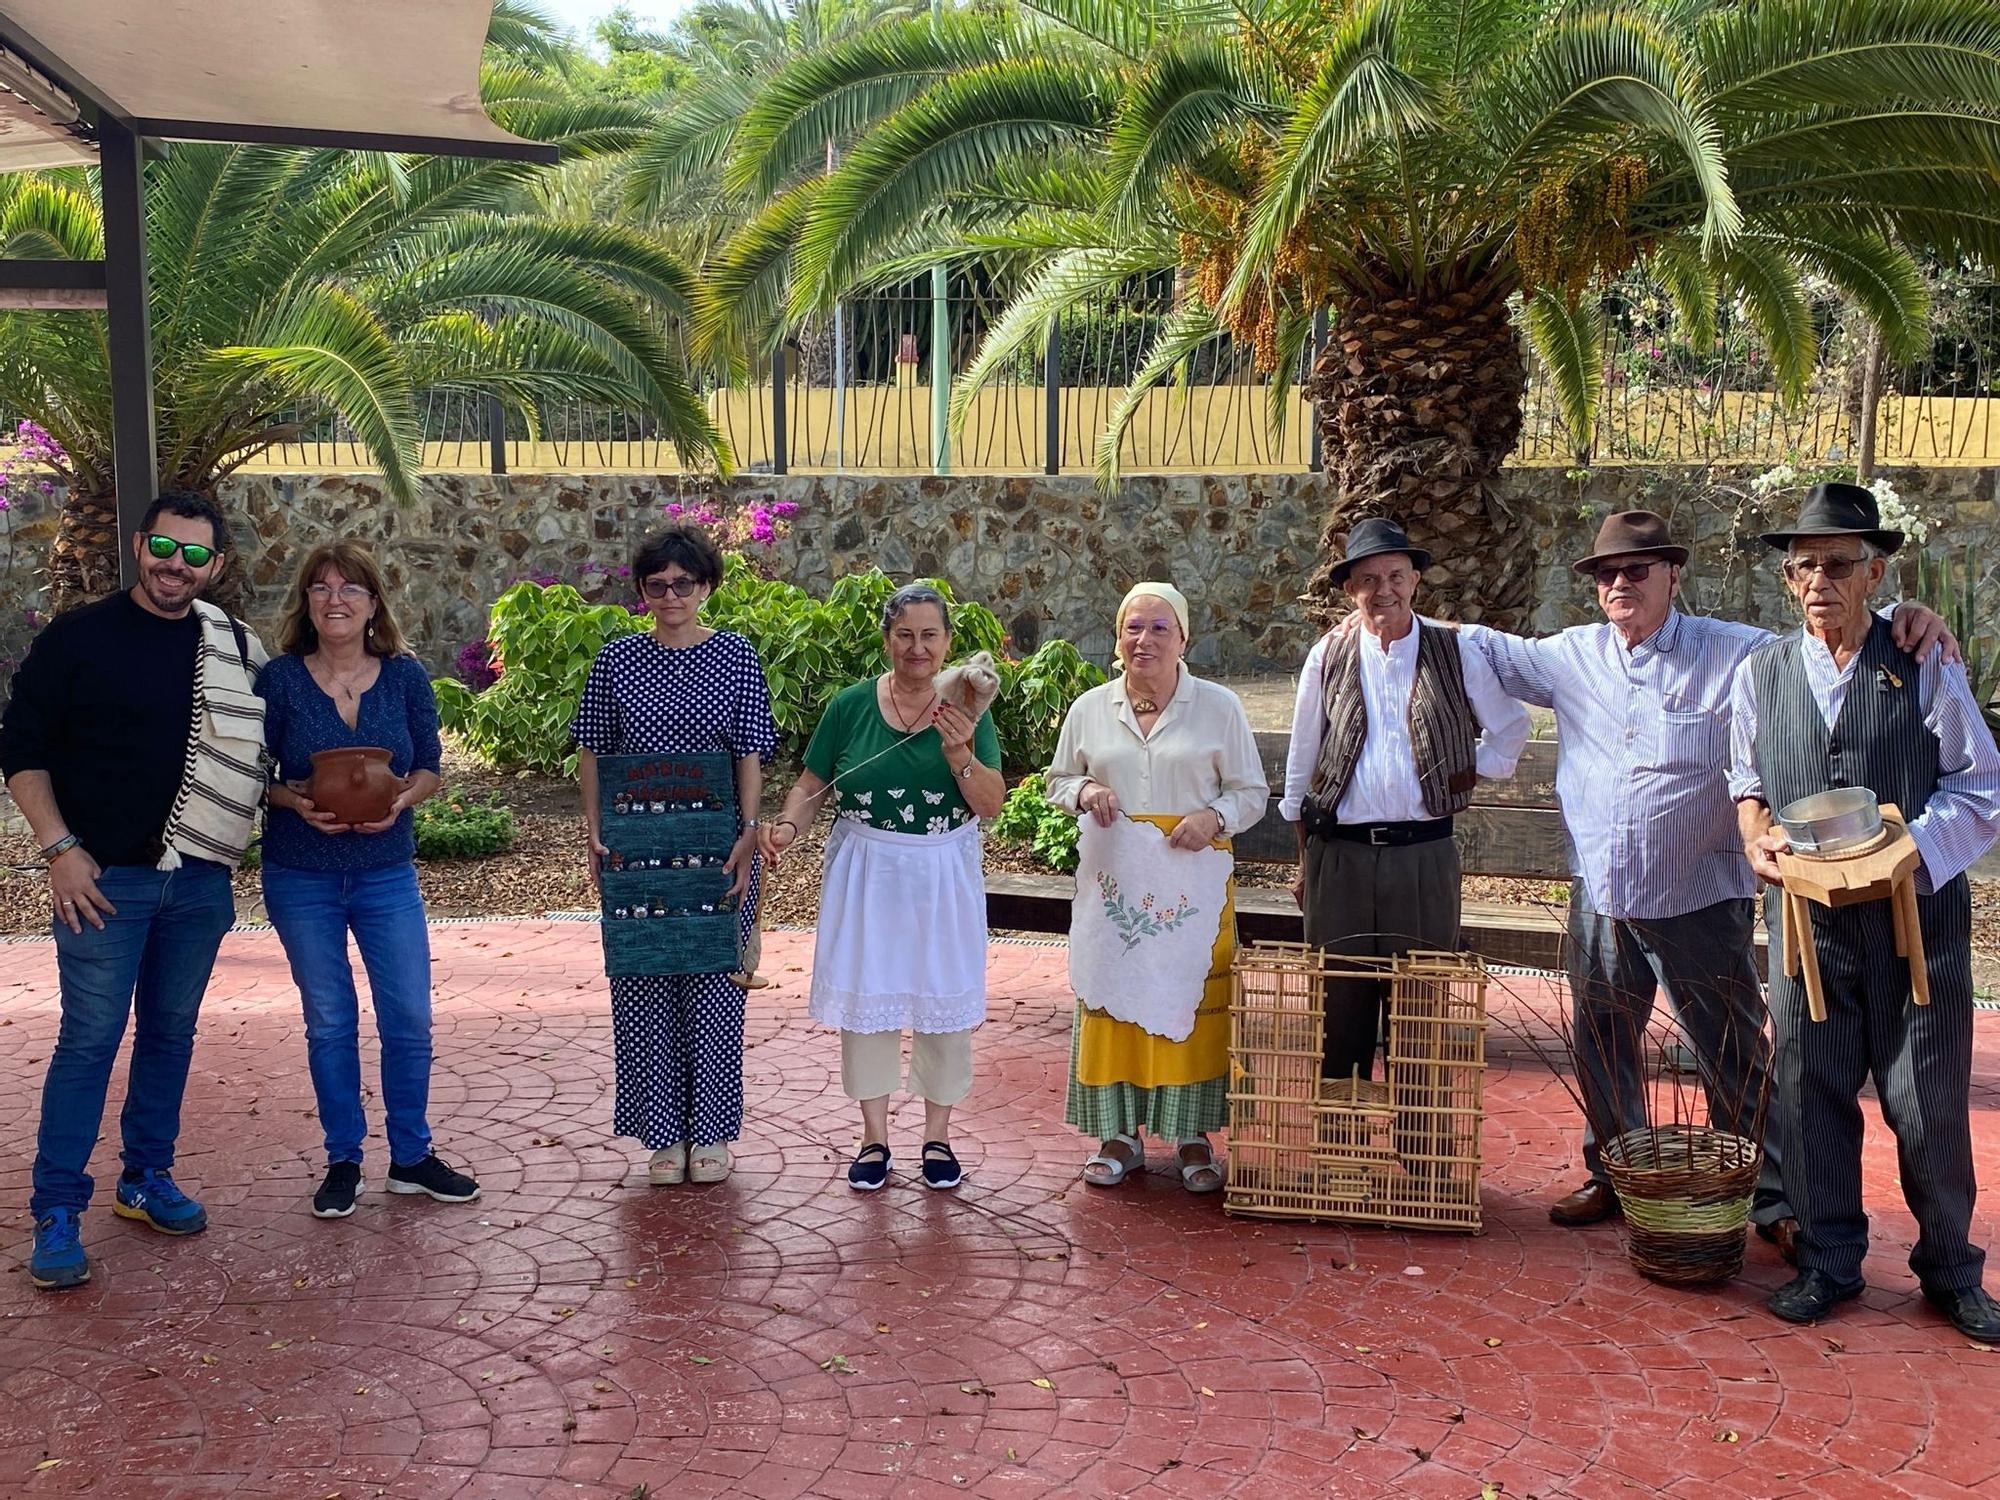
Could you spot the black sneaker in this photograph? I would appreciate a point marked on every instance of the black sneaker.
(870, 1168)
(335, 1198)
(432, 1176)
(940, 1166)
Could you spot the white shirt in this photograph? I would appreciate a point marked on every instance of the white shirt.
(1384, 787)
(1201, 753)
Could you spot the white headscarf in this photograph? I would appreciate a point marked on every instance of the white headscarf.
(1166, 592)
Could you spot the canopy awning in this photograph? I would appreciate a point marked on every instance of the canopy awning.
(380, 75)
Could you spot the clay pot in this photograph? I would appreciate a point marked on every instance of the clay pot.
(354, 784)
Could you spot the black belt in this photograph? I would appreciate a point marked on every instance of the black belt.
(1388, 835)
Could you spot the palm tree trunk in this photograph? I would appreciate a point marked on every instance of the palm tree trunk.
(83, 558)
(1418, 401)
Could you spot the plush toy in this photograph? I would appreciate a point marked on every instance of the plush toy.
(971, 686)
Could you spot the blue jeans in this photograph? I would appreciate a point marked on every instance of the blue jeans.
(152, 959)
(313, 911)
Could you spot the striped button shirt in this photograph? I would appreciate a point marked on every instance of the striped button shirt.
(1962, 819)
(1642, 770)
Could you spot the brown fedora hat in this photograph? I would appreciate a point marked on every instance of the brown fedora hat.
(1628, 531)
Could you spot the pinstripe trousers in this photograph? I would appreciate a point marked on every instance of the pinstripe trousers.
(1920, 1057)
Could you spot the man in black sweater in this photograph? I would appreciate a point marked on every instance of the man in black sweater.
(94, 746)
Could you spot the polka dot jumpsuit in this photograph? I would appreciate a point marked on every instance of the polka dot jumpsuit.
(678, 1037)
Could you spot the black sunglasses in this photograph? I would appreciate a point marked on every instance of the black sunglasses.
(680, 588)
(1608, 575)
(198, 554)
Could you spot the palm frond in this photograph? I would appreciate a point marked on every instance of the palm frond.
(1186, 329)
(1568, 335)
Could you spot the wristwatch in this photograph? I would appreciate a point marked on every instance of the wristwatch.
(752, 823)
(966, 773)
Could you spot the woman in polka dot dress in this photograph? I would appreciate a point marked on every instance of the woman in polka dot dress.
(680, 689)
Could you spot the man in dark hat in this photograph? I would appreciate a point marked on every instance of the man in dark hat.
(1660, 895)
(1395, 723)
(1839, 704)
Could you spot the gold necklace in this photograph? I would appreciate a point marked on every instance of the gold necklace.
(906, 725)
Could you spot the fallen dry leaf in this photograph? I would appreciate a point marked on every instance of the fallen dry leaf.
(1044, 1382)
(1493, 1343)
(703, 1359)
(1725, 1436)
(881, 1327)
(1206, 1391)
(47, 1463)
(974, 1388)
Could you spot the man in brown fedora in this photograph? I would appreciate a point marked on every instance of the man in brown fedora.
(1841, 704)
(1660, 893)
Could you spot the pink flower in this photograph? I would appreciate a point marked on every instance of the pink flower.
(674, 507)
(784, 507)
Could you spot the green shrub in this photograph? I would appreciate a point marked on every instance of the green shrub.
(545, 640)
(460, 828)
(1030, 818)
(1035, 695)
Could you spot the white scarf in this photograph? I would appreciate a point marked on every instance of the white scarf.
(222, 783)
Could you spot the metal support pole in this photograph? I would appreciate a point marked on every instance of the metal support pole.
(940, 372)
(1316, 460)
(134, 447)
(1052, 436)
(781, 456)
(839, 389)
(496, 435)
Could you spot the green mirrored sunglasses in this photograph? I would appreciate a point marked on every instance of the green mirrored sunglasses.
(197, 554)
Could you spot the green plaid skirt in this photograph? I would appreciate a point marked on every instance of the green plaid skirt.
(1170, 1112)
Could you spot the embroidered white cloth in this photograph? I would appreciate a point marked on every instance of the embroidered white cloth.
(1143, 931)
(902, 930)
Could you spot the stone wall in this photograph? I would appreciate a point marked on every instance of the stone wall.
(1050, 555)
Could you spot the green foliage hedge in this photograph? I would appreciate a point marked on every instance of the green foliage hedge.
(451, 827)
(545, 639)
(1030, 818)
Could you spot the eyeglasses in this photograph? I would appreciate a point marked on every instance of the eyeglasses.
(197, 554)
(1799, 569)
(1608, 575)
(680, 588)
(348, 593)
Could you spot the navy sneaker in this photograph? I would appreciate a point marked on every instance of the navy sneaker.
(870, 1168)
(432, 1176)
(154, 1198)
(335, 1198)
(59, 1260)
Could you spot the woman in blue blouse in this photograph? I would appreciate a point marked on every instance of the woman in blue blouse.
(344, 680)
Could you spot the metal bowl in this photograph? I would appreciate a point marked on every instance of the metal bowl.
(1829, 822)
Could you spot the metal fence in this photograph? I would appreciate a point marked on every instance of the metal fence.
(863, 391)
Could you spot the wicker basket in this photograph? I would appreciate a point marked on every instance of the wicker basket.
(1685, 1190)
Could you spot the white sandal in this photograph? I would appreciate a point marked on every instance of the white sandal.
(1115, 1170)
(668, 1165)
(1191, 1170)
(709, 1164)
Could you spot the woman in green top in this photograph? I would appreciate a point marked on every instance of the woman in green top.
(901, 942)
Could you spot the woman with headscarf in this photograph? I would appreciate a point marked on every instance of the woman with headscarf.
(901, 939)
(1154, 746)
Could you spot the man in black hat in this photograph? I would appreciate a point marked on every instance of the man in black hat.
(1839, 705)
(1394, 724)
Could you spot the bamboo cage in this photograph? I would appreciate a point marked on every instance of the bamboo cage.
(1403, 1152)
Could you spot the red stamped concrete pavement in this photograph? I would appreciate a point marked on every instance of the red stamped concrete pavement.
(579, 1334)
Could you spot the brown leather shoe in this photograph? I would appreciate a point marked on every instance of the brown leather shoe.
(1784, 1233)
(1592, 1203)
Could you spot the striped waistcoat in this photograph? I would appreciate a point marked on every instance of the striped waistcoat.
(1444, 730)
(1879, 741)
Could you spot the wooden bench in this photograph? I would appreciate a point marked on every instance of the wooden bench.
(1512, 829)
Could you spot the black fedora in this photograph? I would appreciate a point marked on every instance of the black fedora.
(1838, 510)
(1373, 537)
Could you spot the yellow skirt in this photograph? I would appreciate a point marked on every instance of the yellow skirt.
(1113, 1051)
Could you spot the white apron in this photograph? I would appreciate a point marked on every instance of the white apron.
(1142, 932)
(902, 930)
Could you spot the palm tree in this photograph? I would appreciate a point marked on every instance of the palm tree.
(286, 284)
(1434, 173)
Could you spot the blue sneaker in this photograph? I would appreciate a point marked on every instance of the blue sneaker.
(155, 1199)
(59, 1260)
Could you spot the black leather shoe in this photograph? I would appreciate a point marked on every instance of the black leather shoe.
(1812, 1295)
(1972, 1312)
(1592, 1203)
